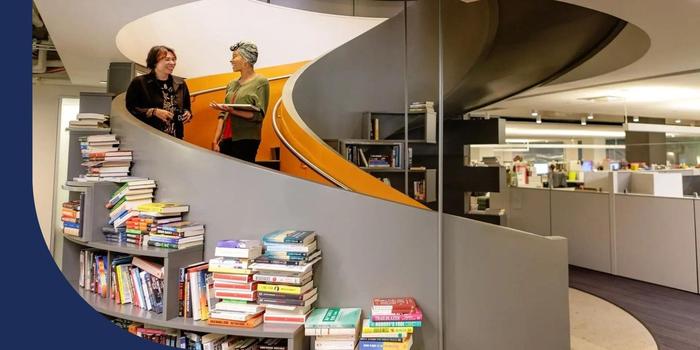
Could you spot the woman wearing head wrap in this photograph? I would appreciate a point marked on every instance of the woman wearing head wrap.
(159, 98)
(238, 131)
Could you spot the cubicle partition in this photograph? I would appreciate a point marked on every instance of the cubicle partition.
(645, 237)
(529, 210)
(655, 240)
(584, 219)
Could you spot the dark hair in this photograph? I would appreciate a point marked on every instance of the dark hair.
(156, 54)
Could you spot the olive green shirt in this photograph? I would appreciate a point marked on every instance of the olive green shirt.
(255, 92)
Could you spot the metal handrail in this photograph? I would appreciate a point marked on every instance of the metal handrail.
(202, 92)
(296, 153)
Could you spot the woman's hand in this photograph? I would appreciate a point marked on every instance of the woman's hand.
(217, 106)
(162, 114)
(187, 117)
(221, 107)
(215, 146)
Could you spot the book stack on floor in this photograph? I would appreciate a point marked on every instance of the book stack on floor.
(172, 234)
(234, 291)
(285, 273)
(138, 281)
(124, 201)
(334, 328)
(93, 271)
(103, 159)
(70, 217)
(89, 121)
(391, 325)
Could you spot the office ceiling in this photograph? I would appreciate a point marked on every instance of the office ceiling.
(663, 82)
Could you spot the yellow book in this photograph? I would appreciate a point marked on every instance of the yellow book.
(404, 345)
(163, 207)
(285, 289)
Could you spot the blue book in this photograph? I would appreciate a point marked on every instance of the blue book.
(290, 236)
(71, 224)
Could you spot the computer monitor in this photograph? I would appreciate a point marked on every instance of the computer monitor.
(541, 169)
(614, 166)
(587, 165)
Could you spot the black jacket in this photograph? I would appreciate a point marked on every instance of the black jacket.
(144, 93)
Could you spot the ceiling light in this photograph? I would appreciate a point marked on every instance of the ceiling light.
(655, 93)
(677, 121)
(606, 98)
(103, 81)
(590, 116)
(538, 120)
(583, 121)
(635, 119)
(534, 113)
(525, 129)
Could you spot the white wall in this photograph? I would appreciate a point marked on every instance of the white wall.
(45, 119)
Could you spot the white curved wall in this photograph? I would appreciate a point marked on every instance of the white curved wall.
(201, 33)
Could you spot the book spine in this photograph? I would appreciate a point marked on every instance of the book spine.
(277, 279)
(279, 288)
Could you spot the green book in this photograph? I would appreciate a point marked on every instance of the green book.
(334, 317)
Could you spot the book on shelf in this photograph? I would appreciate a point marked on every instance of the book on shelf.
(393, 305)
(149, 266)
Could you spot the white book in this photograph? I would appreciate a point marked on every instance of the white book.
(232, 315)
(245, 253)
(238, 307)
(279, 267)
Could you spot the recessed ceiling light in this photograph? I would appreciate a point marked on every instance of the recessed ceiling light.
(583, 121)
(538, 120)
(103, 82)
(677, 121)
(590, 116)
(534, 113)
(635, 119)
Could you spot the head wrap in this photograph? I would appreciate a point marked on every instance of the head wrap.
(247, 50)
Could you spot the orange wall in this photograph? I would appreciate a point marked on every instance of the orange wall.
(201, 130)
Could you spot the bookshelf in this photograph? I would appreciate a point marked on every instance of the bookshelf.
(409, 153)
(94, 215)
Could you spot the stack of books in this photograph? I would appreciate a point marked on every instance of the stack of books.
(391, 325)
(234, 290)
(89, 121)
(139, 228)
(115, 235)
(125, 199)
(173, 234)
(334, 328)
(70, 216)
(103, 159)
(285, 273)
(427, 106)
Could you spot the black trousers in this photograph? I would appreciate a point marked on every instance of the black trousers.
(241, 149)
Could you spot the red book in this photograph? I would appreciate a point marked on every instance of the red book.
(414, 316)
(402, 305)
(218, 276)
